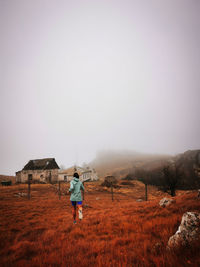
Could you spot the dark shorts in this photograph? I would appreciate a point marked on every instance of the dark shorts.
(74, 203)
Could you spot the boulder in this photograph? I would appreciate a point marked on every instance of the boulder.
(188, 230)
(166, 202)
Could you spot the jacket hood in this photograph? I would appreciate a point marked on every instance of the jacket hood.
(75, 180)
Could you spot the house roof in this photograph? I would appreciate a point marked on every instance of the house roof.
(41, 164)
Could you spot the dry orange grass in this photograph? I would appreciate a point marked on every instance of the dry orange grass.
(40, 232)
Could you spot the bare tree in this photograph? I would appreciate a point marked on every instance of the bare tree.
(172, 176)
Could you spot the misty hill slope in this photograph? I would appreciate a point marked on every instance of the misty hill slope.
(189, 164)
(188, 159)
(121, 163)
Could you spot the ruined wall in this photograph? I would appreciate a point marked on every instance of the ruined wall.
(39, 175)
(51, 175)
(18, 177)
(91, 174)
(67, 175)
(94, 176)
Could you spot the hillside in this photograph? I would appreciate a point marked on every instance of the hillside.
(189, 161)
(121, 163)
(40, 232)
(7, 178)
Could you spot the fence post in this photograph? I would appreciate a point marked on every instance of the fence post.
(29, 185)
(59, 192)
(112, 190)
(146, 193)
(29, 189)
(83, 192)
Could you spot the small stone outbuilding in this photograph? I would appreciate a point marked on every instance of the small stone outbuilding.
(84, 174)
(41, 170)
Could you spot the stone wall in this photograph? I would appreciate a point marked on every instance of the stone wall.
(89, 175)
(64, 175)
(39, 175)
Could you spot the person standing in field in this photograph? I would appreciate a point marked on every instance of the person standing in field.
(76, 198)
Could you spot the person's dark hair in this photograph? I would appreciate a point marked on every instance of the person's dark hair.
(76, 175)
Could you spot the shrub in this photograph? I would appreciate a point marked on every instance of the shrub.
(110, 181)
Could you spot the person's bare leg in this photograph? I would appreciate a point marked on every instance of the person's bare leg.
(80, 212)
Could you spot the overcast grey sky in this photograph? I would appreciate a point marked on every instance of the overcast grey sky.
(79, 76)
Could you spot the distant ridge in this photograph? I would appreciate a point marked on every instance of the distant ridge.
(7, 178)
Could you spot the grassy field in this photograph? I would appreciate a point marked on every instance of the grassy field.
(40, 231)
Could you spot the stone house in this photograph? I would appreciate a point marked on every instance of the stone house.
(84, 174)
(42, 170)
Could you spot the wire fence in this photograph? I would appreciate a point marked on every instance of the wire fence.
(92, 189)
